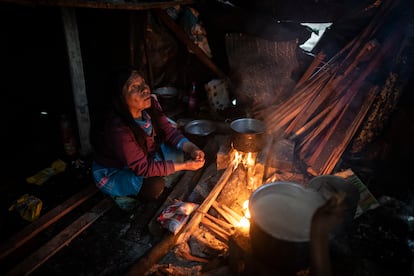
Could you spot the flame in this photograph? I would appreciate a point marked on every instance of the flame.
(237, 158)
(250, 161)
(244, 222)
(246, 209)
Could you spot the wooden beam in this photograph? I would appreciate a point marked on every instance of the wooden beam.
(80, 98)
(108, 4)
(45, 221)
(36, 259)
(183, 37)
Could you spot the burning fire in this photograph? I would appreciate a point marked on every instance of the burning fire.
(244, 221)
(248, 159)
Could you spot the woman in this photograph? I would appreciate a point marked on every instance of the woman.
(139, 146)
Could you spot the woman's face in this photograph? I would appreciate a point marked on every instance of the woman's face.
(138, 96)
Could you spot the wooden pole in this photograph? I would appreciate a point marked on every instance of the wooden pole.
(78, 80)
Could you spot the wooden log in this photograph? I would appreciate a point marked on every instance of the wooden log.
(44, 221)
(227, 226)
(215, 228)
(36, 259)
(233, 213)
(226, 215)
(203, 208)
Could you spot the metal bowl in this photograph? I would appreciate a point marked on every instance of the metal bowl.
(200, 127)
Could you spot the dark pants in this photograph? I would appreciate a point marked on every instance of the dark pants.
(152, 188)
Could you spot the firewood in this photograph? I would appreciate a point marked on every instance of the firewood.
(203, 208)
(227, 226)
(231, 212)
(215, 228)
(183, 251)
(232, 220)
(335, 155)
(315, 63)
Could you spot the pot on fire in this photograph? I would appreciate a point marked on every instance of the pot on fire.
(281, 214)
(248, 134)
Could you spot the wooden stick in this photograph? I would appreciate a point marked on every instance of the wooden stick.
(315, 63)
(214, 226)
(311, 123)
(229, 227)
(203, 208)
(215, 230)
(231, 212)
(335, 155)
(226, 215)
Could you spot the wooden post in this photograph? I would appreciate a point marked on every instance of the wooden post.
(77, 78)
(183, 37)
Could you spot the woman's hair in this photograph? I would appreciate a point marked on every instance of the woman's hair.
(121, 109)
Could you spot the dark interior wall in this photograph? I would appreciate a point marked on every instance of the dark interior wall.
(34, 78)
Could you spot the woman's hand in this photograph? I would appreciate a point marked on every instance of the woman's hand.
(197, 155)
(190, 165)
(329, 215)
(193, 165)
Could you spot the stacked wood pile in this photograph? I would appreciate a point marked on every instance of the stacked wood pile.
(330, 103)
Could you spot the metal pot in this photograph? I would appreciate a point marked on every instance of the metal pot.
(281, 214)
(198, 131)
(248, 134)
